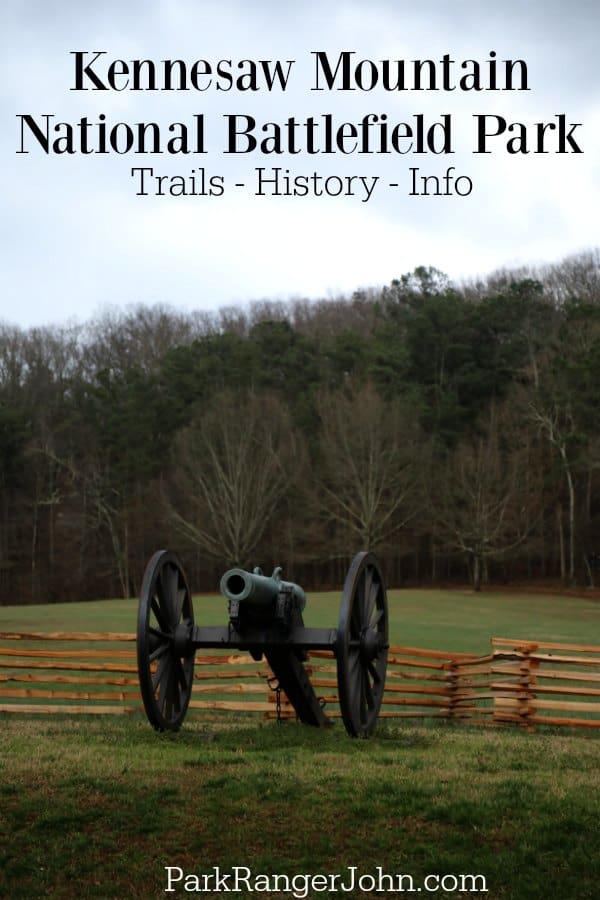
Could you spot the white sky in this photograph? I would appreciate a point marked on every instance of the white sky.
(75, 237)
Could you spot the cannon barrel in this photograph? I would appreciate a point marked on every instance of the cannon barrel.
(257, 589)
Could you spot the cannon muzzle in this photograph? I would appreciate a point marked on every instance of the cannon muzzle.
(257, 589)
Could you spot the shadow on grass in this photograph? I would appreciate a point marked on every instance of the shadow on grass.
(103, 807)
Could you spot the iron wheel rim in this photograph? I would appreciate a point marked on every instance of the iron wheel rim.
(362, 645)
(165, 661)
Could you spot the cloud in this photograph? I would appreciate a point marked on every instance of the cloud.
(75, 236)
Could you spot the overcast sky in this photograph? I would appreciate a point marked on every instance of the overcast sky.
(75, 237)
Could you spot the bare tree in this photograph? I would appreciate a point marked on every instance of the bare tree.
(137, 337)
(577, 275)
(564, 403)
(558, 427)
(487, 499)
(367, 474)
(235, 464)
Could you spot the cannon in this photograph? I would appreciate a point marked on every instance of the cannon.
(265, 619)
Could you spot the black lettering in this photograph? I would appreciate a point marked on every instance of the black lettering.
(81, 70)
(322, 64)
(483, 133)
(138, 69)
(234, 132)
(141, 192)
(119, 67)
(42, 138)
(277, 74)
(201, 69)
(509, 65)
(171, 64)
(567, 136)
(223, 71)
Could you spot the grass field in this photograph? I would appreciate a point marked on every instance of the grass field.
(444, 620)
(98, 807)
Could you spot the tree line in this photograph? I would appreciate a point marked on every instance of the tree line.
(453, 429)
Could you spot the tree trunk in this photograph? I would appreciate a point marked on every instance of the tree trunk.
(476, 572)
(34, 544)
(590, 572)
(561, 542)
(571, 527)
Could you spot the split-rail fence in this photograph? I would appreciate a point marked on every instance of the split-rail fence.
(519, 682)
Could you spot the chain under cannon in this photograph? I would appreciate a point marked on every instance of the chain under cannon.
(265, 619)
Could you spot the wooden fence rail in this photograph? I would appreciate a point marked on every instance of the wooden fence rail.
(525, 673)
(519, 683)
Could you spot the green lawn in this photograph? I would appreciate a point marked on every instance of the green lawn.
(93, 808)
(444, 620)
(99, 806)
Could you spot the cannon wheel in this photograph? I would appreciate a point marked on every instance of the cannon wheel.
(164, 650)
(362, 645)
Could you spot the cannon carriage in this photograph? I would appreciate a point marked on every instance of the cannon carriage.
(265, 619)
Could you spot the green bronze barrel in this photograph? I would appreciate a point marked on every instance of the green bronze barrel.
(257, 589)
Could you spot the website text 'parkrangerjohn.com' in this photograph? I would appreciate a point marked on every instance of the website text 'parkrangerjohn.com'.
(241, 879)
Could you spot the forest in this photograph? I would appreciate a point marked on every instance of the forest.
(454, 429)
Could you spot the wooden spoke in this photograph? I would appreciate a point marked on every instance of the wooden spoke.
(362, 645)
(165, 669)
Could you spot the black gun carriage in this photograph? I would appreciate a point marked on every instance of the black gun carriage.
(265, 619)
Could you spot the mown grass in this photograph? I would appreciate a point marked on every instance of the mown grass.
(447, 620)
(98, 806)
(95, 808)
